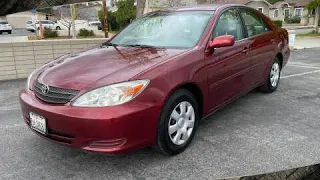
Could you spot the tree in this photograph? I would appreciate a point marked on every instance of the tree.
(64, 12)
(126, 12)
(111, 19)
(315, 4)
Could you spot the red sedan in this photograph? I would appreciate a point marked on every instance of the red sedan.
(152, 83)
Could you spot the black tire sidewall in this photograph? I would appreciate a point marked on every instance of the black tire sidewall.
(173, 101)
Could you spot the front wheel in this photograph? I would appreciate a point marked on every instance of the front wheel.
(273, 80)
(58, 28)
(178, 123)
(9, 32)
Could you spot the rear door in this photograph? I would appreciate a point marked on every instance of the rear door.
(228, 65)
(262, 44)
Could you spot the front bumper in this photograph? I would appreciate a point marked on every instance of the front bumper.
(110, 130)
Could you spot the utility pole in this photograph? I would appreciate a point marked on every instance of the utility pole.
(105, 17)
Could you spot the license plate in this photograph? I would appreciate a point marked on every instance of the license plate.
(38, 123)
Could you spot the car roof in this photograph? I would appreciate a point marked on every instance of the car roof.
(206, 7)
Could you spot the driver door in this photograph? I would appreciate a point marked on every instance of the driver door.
(228, 65)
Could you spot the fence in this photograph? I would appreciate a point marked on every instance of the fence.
(19, 59)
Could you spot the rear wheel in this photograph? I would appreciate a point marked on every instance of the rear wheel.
(58, 28)
(273, 80)
(0, 32)
(9, 32)
(178, 123)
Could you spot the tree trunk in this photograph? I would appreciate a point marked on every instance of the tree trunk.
(69, 30)
(140, 7)
(316, 23)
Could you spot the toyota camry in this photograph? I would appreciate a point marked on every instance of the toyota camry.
(152, 83)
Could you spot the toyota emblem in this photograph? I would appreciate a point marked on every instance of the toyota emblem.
(45, 89)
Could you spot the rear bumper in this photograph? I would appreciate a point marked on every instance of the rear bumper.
(110, 130)
(5, 29)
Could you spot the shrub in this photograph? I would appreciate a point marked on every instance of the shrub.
(278, 23)
(294, 19)
(48, 33)
(85, 33)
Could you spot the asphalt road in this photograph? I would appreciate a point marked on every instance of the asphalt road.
(17, 34)
(255, 134)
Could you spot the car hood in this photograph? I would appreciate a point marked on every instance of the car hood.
(100, 66)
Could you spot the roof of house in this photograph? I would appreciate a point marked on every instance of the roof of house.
(294, 3)
(300, 3)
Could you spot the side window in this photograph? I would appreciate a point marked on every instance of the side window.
(253, 22)
(229, 23)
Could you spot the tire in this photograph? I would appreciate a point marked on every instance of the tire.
(166, 143)
(270, 85)
(9, 32)
(0, 32)
(58, 28)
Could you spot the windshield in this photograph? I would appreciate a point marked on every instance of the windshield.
(165, 29)
(29, 22)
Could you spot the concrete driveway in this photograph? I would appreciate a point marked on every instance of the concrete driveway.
(255, 134)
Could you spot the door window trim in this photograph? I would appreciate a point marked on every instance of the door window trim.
(236, 8)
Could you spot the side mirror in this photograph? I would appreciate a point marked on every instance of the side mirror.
(221, 41)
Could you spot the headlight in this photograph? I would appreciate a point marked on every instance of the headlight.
(111, 95)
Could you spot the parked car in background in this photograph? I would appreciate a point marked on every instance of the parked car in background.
(30, 26)
(151, 84)
(48, 24)
(95, 22)
(5, 27)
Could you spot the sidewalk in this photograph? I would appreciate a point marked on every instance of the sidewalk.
(306, 42)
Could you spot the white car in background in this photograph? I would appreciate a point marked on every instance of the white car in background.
(5, 27)
(48, 24)
(30, 26)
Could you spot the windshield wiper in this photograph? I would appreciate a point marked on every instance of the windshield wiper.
(109, 44)
(140, 46)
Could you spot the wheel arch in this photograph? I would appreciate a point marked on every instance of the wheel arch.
(280, 57)
(195, 90)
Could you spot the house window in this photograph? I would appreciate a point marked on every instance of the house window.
(276, 13)
(260, 9)
(298, 12)
(286, 12)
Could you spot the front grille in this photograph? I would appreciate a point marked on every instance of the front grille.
(60, 137)
(54, 95)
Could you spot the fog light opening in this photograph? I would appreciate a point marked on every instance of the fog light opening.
(106, 144)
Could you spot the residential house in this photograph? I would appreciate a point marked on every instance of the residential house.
(277, 11)
(288, 8)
